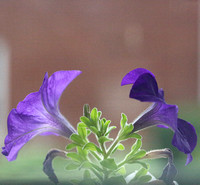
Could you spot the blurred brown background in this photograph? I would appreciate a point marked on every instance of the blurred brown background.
(105, 40)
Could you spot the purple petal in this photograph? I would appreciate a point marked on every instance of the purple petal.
(157, 114)
(164, 115)
(53, 88)
(189, 159)
(162, 126)
(144, 87)
(32, 117)
(185, 138)
(19, 133)
(133, 75)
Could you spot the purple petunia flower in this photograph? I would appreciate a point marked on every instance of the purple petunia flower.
(38, 114)
(160, 113)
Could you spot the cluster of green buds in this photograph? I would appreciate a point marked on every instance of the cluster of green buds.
(96, 160)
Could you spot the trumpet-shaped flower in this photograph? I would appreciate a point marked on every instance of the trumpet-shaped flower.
(38, 114)
(160, 113)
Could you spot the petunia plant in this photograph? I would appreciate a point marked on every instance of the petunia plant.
(39, 114)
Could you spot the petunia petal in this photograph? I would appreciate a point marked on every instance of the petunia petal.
(53, 88)
(185, 138)
(144, 87)
(20, 132)
(157, 114)
(32, 117)
(164, 115)
(132, 76)
(189, 159)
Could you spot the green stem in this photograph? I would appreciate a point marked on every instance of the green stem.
(103, 149)
(97, 174)
(121, 164)
(95, 155)
(112, 148)
(95, 170)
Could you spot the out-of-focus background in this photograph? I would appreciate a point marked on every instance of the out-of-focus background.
(105, 40)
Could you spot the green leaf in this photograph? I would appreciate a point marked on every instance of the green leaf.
(118, 180)
(124, 134)
(104, 139)
(136, 146)
(88, 132)
(86, 121)
(141, 172)
(82, 131)
(109, 163)
(118, 147)
(81, 124)
(82, 153)
(109, 130)
(122, 171)
(134, 135)
(144, 165)
(86, 165)
(74, 156)
(86, 174)
(86, 110)
(141, 176)
(72, 166)
(123, 120)
(94, 116)
(92, 147)
(99, 114)
(145, 178)
(77, 139)
(71, 146)
(136, 156)
(103, 120)
(128, 129)
(94, 129)
(105, 125)
(101, 126)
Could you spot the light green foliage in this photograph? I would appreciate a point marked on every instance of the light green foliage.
(141, 177)
(122, 170)
(82, 131)
(136, 153)
(77, 139)
(126, 129)
(72, 166)
(96, 160)
(119, 146)
(116, 180)
(109, 164)
(92, 147)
